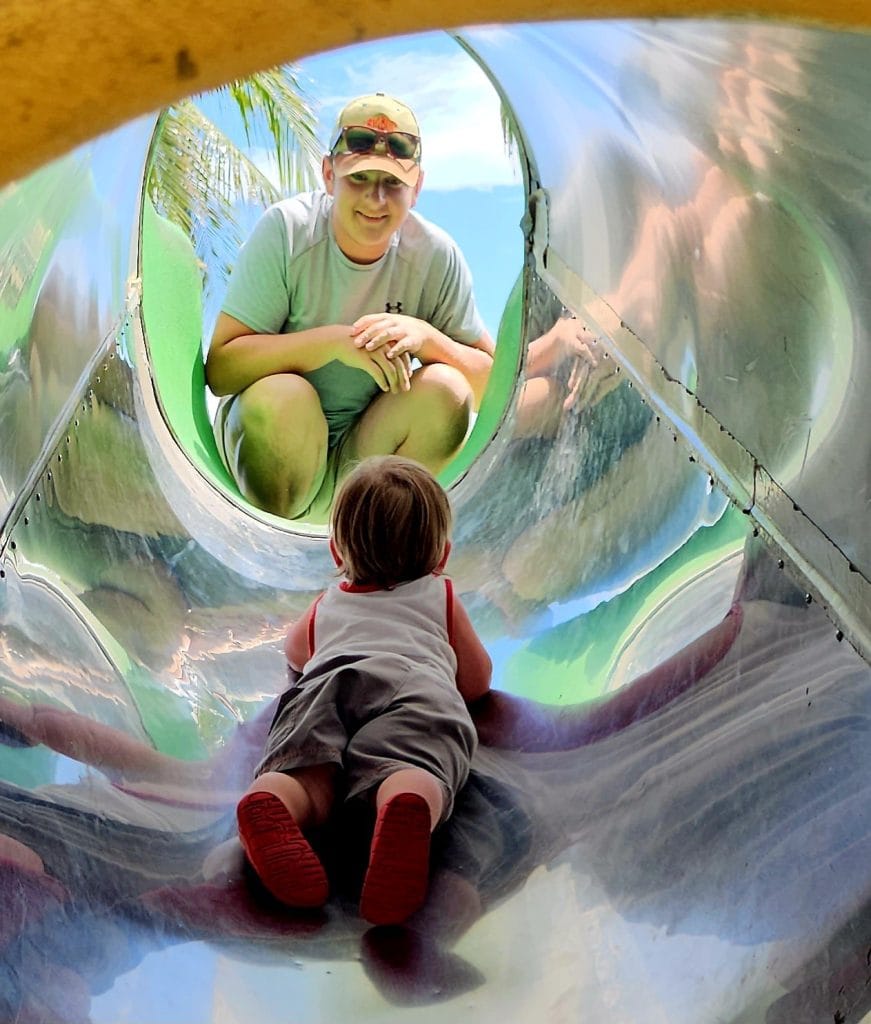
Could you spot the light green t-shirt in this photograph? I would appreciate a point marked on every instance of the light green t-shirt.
(291, 276)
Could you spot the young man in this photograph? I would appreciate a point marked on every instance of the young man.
(333, 295)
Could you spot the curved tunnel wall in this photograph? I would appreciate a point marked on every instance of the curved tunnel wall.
(591, 545)
(705, 205)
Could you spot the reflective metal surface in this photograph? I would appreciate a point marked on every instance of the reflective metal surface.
(668, 819)
(65, 253)
(707, 207)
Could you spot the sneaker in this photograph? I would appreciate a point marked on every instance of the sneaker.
(279, 853)
(398, 874)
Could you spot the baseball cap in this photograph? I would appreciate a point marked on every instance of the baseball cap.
(397, 132)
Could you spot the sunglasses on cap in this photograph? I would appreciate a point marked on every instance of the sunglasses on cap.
(359, 139)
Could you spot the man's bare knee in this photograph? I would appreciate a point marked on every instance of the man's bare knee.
(444, 399)
(278, 443)
(427, 423)
(264, 404)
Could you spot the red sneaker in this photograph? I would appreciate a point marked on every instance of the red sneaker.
(280, 854)
(398, 874)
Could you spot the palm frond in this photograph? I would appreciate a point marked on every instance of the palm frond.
(275, 111)
(198, 175)
(510, 130)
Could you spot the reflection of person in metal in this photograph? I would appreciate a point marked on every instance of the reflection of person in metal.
(333, 296)
(570, 405)
(564, 369)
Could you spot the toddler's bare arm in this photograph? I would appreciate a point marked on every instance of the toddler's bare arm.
(298, 643)
(474, 667)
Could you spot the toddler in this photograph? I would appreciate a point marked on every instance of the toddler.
(389, 660)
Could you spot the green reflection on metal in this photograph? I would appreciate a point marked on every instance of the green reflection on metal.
(172, 314)
(32, 213)
(499, 389)
(573, 662)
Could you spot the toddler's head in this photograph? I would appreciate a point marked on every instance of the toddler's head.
(390, 523)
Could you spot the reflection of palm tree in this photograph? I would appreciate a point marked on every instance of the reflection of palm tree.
(198, 174)
(511, 131)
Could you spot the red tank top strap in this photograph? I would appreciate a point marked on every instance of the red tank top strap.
(449, 609)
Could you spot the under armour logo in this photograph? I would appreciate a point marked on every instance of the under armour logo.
(392, 307)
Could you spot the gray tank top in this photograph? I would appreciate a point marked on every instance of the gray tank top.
(409, 623)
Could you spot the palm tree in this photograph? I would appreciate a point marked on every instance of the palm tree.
(198, 175)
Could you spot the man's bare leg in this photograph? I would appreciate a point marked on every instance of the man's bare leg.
(276, 443)
(427, 423)
(307, 793)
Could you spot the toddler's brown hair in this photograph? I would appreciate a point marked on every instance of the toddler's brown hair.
(391, 522)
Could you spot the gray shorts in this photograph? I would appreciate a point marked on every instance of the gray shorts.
(337, 454)
(372, 718)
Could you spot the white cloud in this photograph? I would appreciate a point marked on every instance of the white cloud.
(265, 162)
(456, 105)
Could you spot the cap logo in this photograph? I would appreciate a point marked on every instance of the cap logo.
(381, 123)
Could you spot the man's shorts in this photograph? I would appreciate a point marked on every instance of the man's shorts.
(372, 717)
(318, 511)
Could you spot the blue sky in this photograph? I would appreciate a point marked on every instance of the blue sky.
(473, 187)
(456, 106)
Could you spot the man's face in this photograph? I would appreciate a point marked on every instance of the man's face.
(368, 207)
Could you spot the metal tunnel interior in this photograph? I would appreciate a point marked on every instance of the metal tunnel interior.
(669, 817)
